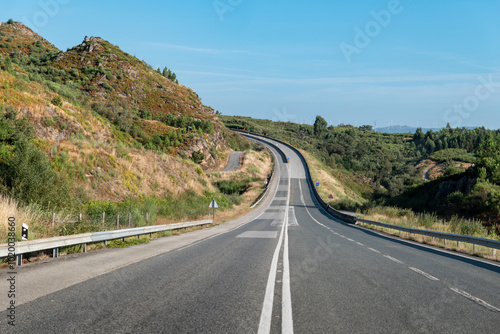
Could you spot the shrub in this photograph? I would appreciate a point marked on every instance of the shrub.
(213, 152)
(198, 157)
(107, 86)
(230, 187)
(50, 121)
(57, 101)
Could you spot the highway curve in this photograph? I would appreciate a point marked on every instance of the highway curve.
(311, 275)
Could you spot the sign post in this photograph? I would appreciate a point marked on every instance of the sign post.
(213, 205)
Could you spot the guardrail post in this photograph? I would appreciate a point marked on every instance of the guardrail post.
(458, 244)
(445, 242)
(474, 248)
(79, 217)
(105, 243)
(103, 219)
(55, 252)
(117, 221)
(84, 248)
(53, 219)
(19, 258)
(129, 219)
(494, 252)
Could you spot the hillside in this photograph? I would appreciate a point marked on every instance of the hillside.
(140, 101)
(94, 125)
(451, 172)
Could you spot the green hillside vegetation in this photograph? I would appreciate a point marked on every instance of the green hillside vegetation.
(94, 130)
(386, 165)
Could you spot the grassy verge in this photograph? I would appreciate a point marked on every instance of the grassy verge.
(428, 221)
(345, 198)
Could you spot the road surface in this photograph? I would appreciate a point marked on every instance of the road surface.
(287, 268)
(233, 162)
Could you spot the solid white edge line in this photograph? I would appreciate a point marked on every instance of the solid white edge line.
(305, 207)
(475, 299)
(286, 297)
(423, 273)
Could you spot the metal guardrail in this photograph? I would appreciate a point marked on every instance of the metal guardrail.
(440, 235)
(23, 247)
(353, 220)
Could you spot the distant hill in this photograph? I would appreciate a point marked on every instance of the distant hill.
(409, 129)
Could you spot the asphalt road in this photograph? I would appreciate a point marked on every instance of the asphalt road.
(233, 162)
(311, 275)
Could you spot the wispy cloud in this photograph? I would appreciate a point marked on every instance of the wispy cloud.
(201, 50)
(446, 56)
(327, 81)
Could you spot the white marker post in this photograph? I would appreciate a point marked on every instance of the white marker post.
(213, 205)
(24, 232)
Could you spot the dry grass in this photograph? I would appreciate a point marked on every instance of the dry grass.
(11, 208)
(329, 185)
(256, 165)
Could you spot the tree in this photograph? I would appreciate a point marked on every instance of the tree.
(319, 126)
(366, 127)
(430, 146)
(10, 21)
(419, 136)
(488, 162)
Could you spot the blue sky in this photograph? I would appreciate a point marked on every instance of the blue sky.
(418, 63)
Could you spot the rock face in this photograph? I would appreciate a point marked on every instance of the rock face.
(464, 185)
(23, 30)
(91, 45)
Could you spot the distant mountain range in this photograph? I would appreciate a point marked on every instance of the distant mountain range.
(407, 129)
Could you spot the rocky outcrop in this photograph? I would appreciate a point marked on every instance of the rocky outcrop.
(464, 185)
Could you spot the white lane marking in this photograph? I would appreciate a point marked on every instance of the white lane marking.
(373, 250)
(286, 302)
(393, 259)
(267, 307)
(475, 299)
(350, 239)
(359, 243)
(292, 219)
(307, 210)
(423, 273)
(259, 234)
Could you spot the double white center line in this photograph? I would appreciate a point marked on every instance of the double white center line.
(286, 302)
